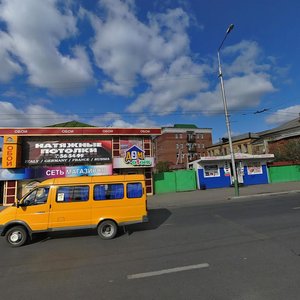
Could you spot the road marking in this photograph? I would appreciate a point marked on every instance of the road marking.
(168, 271)
(296, 207)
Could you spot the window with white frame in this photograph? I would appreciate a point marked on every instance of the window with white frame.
(211, 171)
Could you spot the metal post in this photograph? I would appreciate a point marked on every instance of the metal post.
(236, 185)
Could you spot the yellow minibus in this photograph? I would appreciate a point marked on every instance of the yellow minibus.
(87, 202)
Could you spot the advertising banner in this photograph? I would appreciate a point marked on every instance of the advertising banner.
(119, 163)
(9, 158)
(54, 172)
(254, 168)
(125, 144)
(72, 152)
(132, 155)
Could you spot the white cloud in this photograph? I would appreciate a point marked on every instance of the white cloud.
(9, 67)
(125, 48)
(115, 120)
(30, 116)
(155, 52)
(241, 92)
(158, 52)
(247, 60)
(37, 29)
(284, 115)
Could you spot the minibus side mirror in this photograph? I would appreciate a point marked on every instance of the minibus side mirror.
(24, 203)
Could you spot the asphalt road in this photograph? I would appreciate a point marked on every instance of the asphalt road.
(241, 250)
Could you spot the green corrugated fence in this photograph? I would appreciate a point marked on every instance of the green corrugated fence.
(177, 181)
(284, 173)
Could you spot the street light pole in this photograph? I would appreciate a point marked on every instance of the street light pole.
(236, 184)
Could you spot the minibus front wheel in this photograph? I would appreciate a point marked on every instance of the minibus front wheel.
(16, 236)
(107, 229)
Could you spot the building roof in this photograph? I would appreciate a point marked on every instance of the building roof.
(285, 126)
(185, 126)
(238, 156)
(71, 124)
(244, 136)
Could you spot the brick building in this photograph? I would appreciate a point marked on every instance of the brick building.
(72, 149)
(181, 144)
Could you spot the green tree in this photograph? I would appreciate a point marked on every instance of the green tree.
(289, 151)
(162, 166)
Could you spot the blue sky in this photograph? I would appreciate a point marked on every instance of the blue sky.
(149, 63)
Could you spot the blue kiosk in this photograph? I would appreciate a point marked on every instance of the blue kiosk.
(216, 171)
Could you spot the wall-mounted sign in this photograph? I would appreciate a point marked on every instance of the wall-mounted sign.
(54, 172)
(254, 168)
(132, 155)
(126, 144)
(226, 168)
(11, 139)
(135, 156)
(79, 131)
(72, 152)
(11, 152)
(119, 163)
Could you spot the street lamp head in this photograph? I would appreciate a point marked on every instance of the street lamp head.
(229, 28)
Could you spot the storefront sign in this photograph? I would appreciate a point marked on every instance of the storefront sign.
(37, 153)
(10, 156)
(132, 155)
(11, 139)
(135, 156)
(79, 131)
(119, 163)
(226, 168)
(54, 172)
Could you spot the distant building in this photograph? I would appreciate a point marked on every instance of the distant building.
(241, 144)
(181, 144)
(263, 142)
(270, 140)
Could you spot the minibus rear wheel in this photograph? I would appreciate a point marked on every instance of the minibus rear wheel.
(16, 236)
(107, 229)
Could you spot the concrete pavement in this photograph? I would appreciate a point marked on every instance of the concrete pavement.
(210, 196)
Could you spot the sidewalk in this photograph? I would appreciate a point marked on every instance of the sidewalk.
(203, 197)
(220, 195)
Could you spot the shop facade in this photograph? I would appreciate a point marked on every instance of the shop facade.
(30, 155)
(216, 171)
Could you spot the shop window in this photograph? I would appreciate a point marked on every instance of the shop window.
(72, 194)
(109, 191)
(211, 171)
(254, 168)
(134, 190)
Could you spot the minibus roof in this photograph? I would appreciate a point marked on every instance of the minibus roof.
(94, 179)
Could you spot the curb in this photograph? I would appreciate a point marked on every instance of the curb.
(265, 194)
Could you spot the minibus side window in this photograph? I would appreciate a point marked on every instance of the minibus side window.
(72, 194)
(134, 190)
(37, 196)
(109, 191)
